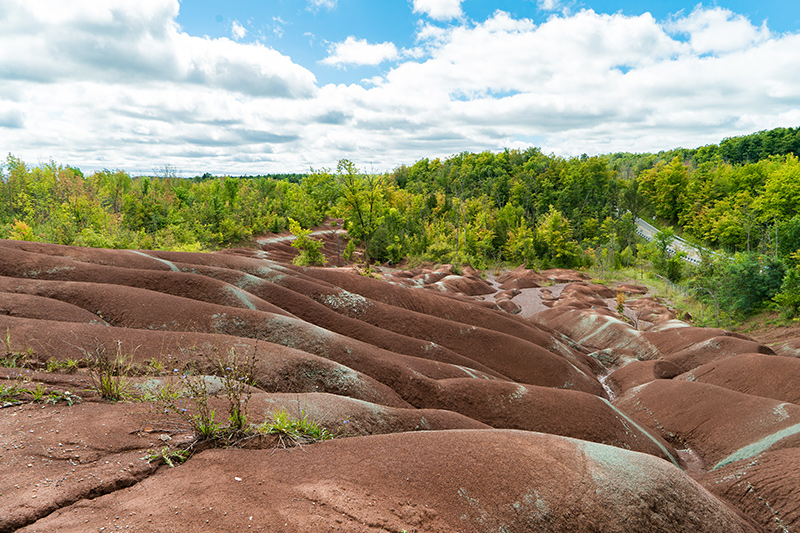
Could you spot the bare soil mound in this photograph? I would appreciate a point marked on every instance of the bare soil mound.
(414, 482)
(766, 488)
(720, 425)
(463, 406)
(523, 278)
(641, 372)
(758, 374)
(789, 347)
(714, 349)
(599, 329)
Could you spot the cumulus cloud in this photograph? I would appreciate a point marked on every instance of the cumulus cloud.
(719, 30)
(592, 82)
(122, 86)
(121, 41)
(354, 51)
(439, 9)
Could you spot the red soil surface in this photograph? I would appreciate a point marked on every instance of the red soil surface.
(457, 405)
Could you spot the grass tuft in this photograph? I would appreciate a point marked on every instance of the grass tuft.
(294, 431)
(108, 372)
(169, 456)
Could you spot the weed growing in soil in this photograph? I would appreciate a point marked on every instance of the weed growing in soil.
(237, 378)
(155, 367)
(168, 456)
(294, 431)
(9, 393)
(107, 372)
(234, 381)
(195, 411)
(11, 359)
(38, 393)
(17, 394)
(70, 366)
(57, 396)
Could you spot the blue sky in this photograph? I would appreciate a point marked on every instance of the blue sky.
(305, 31)
(244, 87)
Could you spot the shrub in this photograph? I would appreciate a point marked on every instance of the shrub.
(196, 411)
(20, 231)
(788, 299)
(310, 249)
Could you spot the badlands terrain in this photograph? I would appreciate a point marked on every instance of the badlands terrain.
(522, 402)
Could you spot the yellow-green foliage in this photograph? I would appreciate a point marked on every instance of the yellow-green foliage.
(310, 249)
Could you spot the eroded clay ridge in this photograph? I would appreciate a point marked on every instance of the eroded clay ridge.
(522, 403)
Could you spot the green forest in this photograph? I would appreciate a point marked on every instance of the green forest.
(739, 200)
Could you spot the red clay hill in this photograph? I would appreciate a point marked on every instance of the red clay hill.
(456, 403)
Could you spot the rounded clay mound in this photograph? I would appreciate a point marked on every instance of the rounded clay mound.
(450, 414)
(428, 481)
(769, 376)
(721, 426)
(715, 349)
(638, 373)
(766, 488)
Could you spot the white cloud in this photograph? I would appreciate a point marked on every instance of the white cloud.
(719, 30)
(10, 116)
(439, 9)
(326, 4)
(121, 86)
(587, 82)
(431, 32)
(277, 28)
(123, 41)
(548, 5)
(238, 32)
(354, 51)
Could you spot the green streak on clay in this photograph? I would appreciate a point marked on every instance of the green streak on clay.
(757, 447)
(242, 296)
(168, 263)
(642, 430)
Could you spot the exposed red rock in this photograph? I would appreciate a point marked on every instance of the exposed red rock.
(720, 425)
(766, 488)
(428, 481)
(758, 374)
(452, 412)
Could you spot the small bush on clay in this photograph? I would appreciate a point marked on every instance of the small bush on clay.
(17, 394)
(189, 399)
(310, 249)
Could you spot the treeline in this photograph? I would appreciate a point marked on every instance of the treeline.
(518, 206)
(734, 150)
(109, 209)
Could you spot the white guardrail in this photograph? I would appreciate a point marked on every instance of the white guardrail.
(647, 231)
